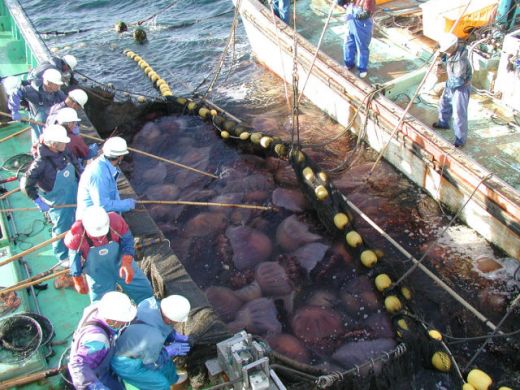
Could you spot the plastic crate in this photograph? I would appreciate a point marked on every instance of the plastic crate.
(439, 16)
(478, 18)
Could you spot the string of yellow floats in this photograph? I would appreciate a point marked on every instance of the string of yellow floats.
(319, 183)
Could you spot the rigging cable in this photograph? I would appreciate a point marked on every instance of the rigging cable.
(295, 106)
(231, 38)
(332, 6)
(278, 43)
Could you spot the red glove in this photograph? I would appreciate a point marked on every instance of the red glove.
(80, 284)
(126, 271)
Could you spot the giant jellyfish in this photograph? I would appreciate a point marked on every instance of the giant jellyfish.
(258, 316)
(291, 234)
(319, 328)
(224, 301)
(272, 279)
(289, 346)
(250, 246)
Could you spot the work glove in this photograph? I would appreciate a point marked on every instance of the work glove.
(126, 271)
(97, 385)
(174, 336)
(16, 116)
(177, 349)
(41, 204)
(93, 150)
(128, 204)
(80, 284)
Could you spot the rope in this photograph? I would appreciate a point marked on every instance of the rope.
(280, 52)
(481, 348)
(231, 38)
(332, 6)
(295, 105)
(417, 91)
(405, 275)
(142, 21)
(424, 269)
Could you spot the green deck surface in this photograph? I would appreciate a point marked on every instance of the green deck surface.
(398, 55)
(26, 229)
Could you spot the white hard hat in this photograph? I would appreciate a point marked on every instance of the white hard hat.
(70, 60)
(67, 114)
(176, 308)
(446, 41)
(115, 147)
(55, 133)
(96, 221)
(79, 96)
(116, 306)
(52, 76)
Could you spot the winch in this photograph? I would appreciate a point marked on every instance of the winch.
(246, 364)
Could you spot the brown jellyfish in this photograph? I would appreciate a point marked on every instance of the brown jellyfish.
(310, 255)
(292, 200)
(249, 292)
(205, 224)
(319, 328)
(259, 317)
(272, 279)
(155, 175)
(224, 302)
(291, 234)
(289, 346)
(250, 246)
(162, 192)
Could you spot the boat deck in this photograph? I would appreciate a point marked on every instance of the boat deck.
(399, 59)
(23, 230)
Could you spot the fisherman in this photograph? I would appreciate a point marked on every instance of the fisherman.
(64, 65)
(455, 98)
(76, 99)
(164, 315)
(40, 95)
(143, 355)
(359, 33)
(93, 342)
(281, 9)
(106, 245)
(68, 118)
(52, 180)
(98, 184)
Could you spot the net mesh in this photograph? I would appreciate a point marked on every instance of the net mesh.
(20, 338)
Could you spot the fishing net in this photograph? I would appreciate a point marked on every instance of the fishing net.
(20, 338)
(45, 324)
(18, 164)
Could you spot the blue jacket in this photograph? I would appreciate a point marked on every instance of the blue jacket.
(458, 68)
(36, 97)
(149, 312)
(42, 172)
(98, 186)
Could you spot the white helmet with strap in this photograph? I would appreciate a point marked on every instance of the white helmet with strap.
(176, 308)
(115, 147)
(96, 221)
(116, 306)
(66, 115)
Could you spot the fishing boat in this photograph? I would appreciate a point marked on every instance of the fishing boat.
(481, 182)
(414, 352)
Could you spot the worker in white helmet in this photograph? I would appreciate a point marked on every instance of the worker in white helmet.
(68, 118)
(93, 342)
(76, 99)
(455, 97)
(65, 65)
(40, 96)
(101, 247)
(98, 184)
(52, 180)
(143, 355)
